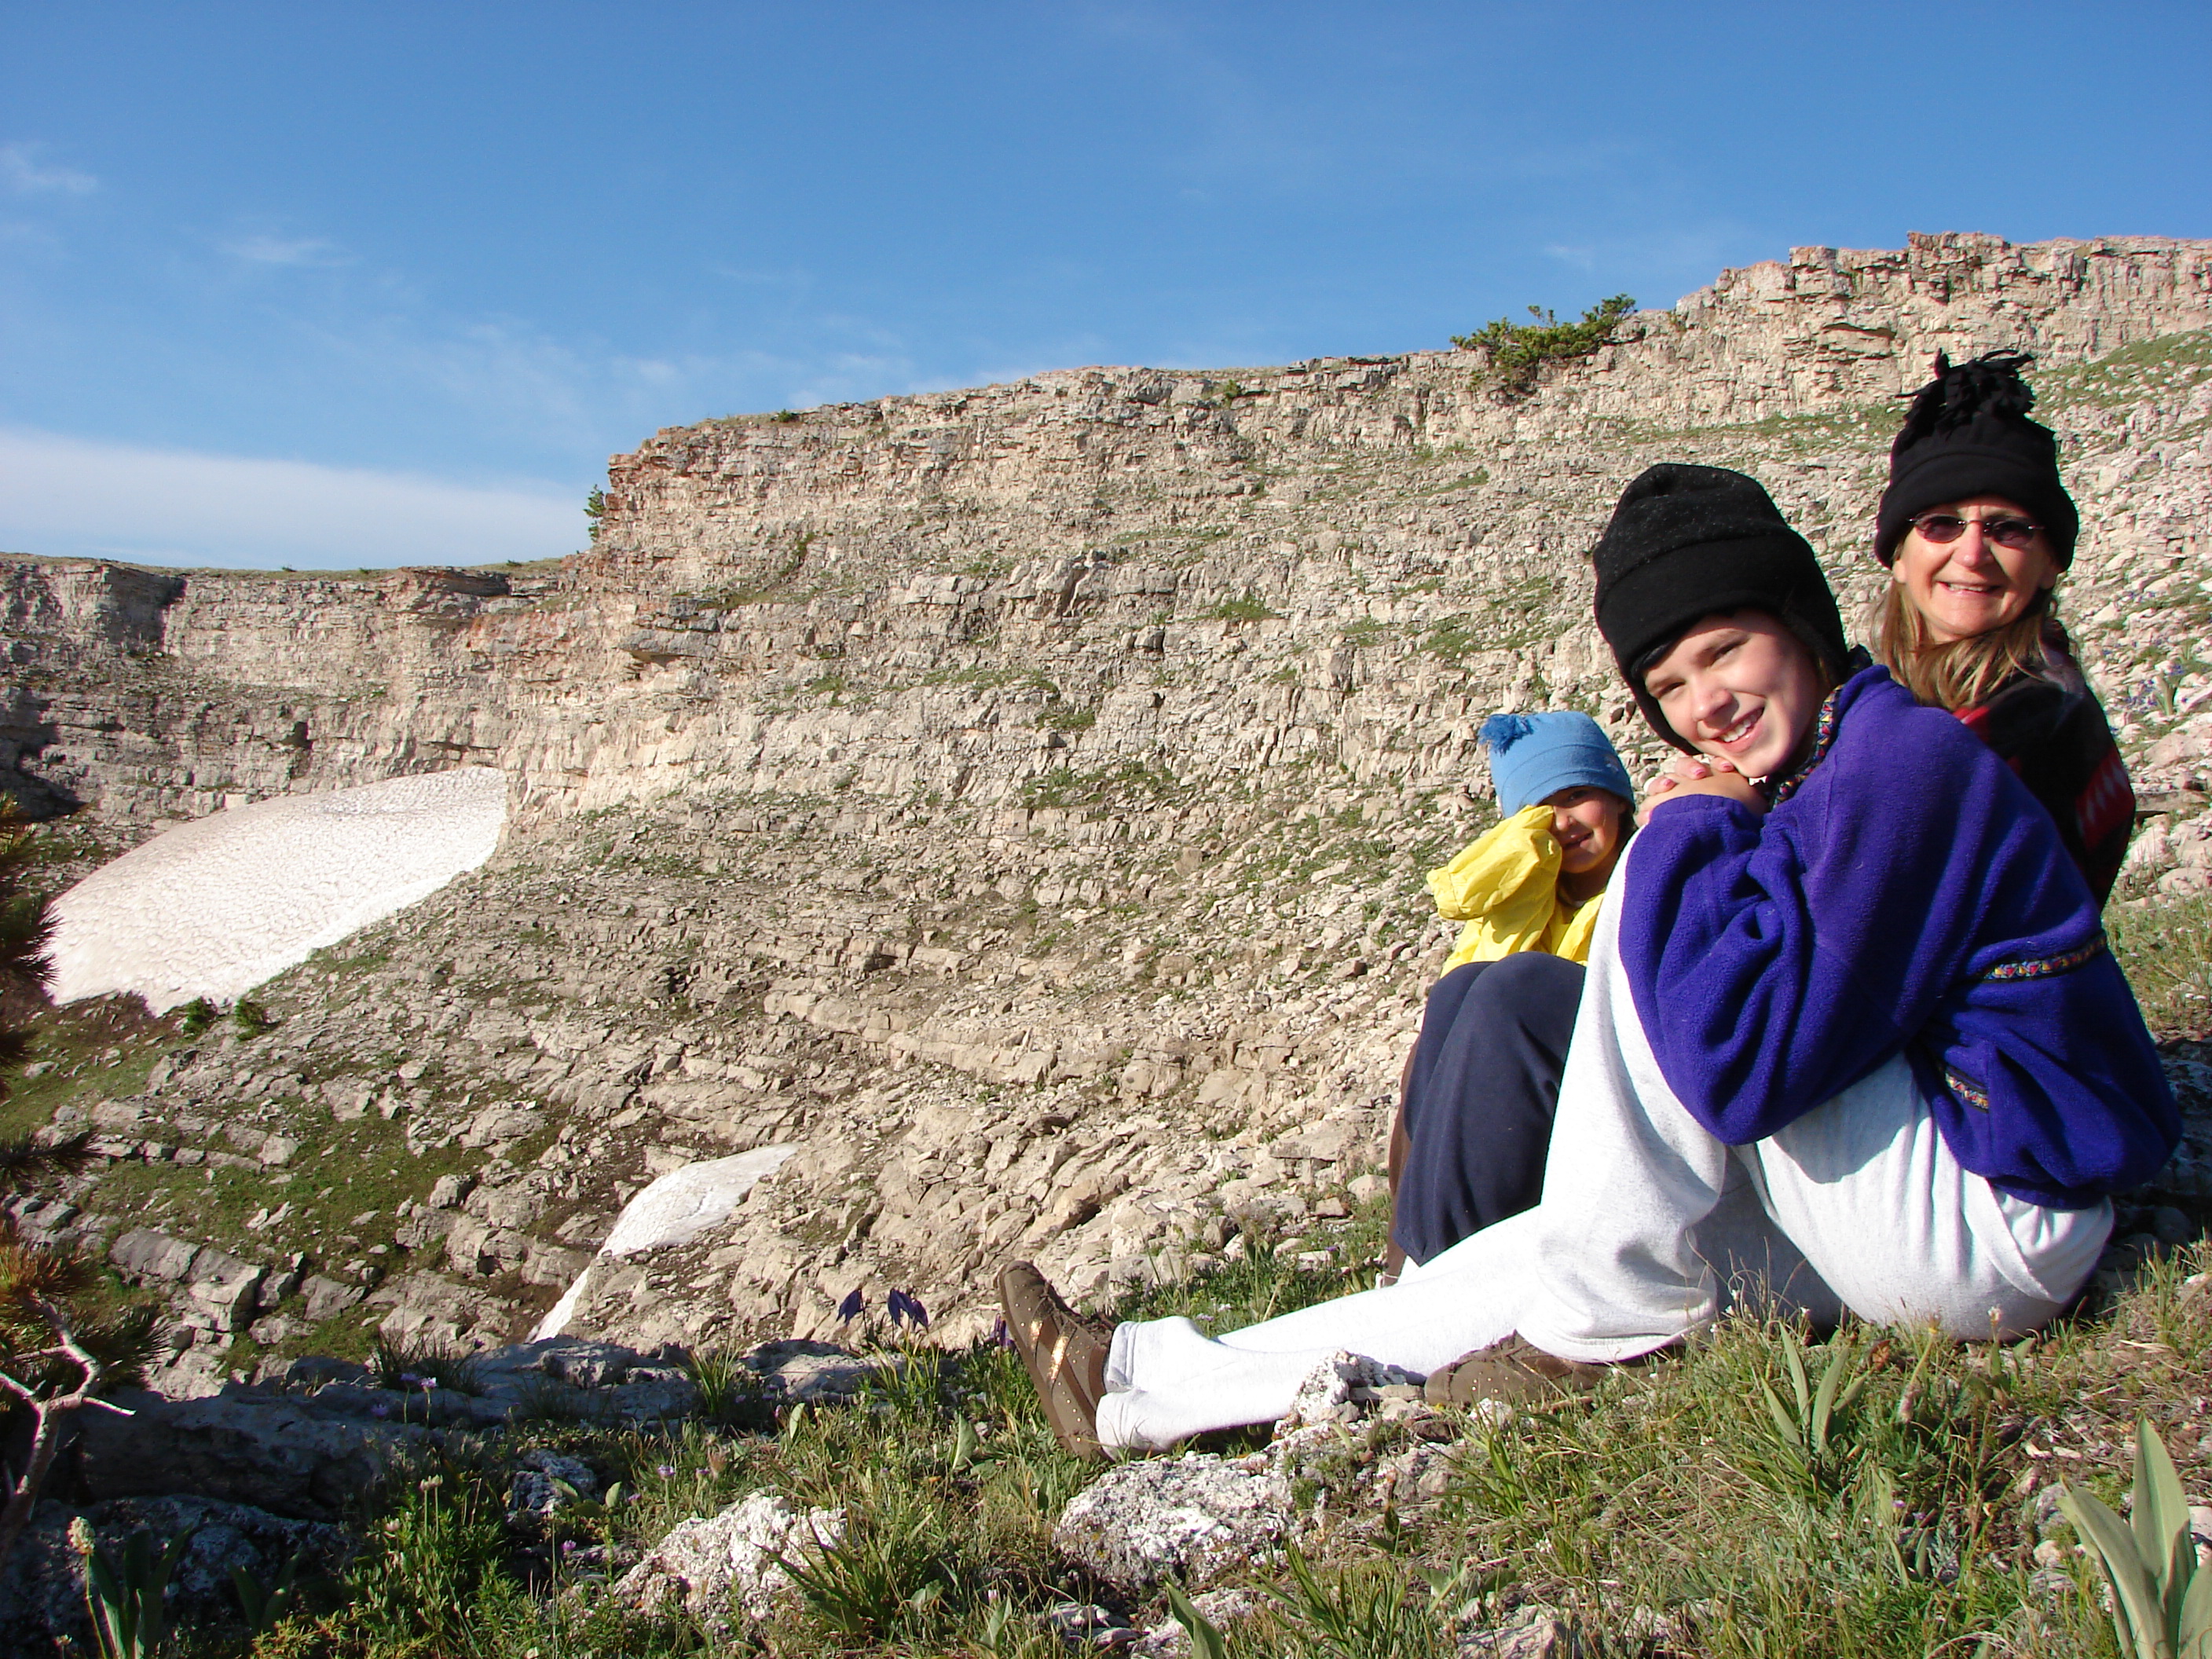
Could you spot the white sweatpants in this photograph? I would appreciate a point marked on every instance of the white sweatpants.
(1649, 1228)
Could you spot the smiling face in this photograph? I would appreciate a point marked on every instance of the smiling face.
(1742, 688)
(1587, 823)
(1971, 585)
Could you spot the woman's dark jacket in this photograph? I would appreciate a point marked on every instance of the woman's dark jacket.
(2050, 728)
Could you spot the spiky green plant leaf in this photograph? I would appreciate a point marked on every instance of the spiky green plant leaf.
(2194, 1640)
(2138, 1615)
(1841, 1356)
(1206, 1641)
(2161, 1520)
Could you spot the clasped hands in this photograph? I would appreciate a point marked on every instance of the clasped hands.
(1702, 775)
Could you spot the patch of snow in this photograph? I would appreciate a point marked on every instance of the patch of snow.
(684, 1203)
(213, 908)
(673, 1209)
(556, 1322)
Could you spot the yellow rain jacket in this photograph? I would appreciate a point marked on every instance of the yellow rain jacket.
(1506, 889)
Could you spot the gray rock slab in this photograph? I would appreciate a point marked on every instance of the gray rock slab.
(275, 1453)
(714, 1566)
(154, 1255)
(801, 1373)
(42, 1601)
(1191, 1519)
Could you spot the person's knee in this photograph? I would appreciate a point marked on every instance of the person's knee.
(1451, 989)
(1529, 987)
(1530, 971)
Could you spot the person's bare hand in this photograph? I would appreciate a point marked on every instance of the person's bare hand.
(1702, 775)
(1684, 769)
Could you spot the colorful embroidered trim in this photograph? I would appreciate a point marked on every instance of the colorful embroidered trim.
(2042, 967)
(1824, 735)
(1967, 1093)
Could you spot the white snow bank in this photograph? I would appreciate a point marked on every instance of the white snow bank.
(213, 908)
(672, 1210)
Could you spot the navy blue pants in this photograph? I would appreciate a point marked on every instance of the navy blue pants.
(1480, 1094)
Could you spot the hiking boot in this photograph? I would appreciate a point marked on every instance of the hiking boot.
(1066, 1355)
(1514, 1372)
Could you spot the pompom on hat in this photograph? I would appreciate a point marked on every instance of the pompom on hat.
(1687, 542)
(1533, 757)
(1967, 435)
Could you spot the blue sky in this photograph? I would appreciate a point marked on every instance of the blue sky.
(323, 286)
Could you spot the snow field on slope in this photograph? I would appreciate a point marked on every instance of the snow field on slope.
(213, 908)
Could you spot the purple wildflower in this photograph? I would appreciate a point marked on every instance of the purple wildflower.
(906, 1308)
(850, 1309)
(665, 1471)
(1001, 1336)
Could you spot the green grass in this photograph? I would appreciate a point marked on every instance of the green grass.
(1721, 1504)
(1132, 782)
(2164, 364)
(1247, 608)
(2166, 951)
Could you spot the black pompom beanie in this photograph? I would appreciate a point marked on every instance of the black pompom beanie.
(1967, 434)
(1686, 542)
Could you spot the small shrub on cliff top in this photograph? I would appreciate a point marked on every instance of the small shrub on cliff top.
(1518, 350)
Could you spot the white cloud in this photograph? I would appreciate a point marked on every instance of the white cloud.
(22, 172)
(264, 250)
(80, 498)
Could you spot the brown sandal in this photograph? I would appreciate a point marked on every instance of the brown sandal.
(1066, 1355)
(1514, 1372)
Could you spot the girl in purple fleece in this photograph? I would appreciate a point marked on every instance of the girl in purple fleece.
(1851, 1038)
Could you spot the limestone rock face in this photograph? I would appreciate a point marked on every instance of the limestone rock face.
(1015, 800)
(1083, 521)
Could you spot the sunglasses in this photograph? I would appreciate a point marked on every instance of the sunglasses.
(1942, 528)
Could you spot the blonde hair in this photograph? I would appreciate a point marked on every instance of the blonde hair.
(1956, 674)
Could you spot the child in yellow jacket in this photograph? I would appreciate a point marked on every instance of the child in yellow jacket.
(1534, 882)
(1475, 1104)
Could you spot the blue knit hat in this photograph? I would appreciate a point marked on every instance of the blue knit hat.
(1533, 756)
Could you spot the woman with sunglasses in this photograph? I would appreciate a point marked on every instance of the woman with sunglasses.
(1976, 528)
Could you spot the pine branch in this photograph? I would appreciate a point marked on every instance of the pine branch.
(24, 1158)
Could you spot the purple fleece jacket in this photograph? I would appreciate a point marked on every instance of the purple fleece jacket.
(1909, 895)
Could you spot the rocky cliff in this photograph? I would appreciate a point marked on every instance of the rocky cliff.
(1015, 798)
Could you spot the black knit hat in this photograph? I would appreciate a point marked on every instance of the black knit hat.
(1967, 434)
(1687, 542)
